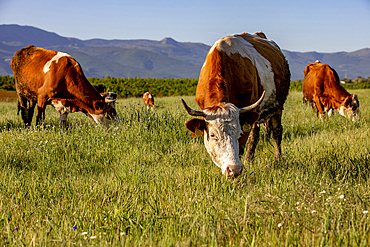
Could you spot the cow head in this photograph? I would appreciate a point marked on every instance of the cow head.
(221, 130)
(110, 99)
(108, 110)
(350, 108)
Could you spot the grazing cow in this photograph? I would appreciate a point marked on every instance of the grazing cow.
(244, 82)
(148, 100)
(322, 89)
(45, 77)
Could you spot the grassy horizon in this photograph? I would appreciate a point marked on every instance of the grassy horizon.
(149, 183)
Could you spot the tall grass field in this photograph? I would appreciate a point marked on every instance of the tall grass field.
(147, 182)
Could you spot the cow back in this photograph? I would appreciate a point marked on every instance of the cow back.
(239, 68)
(323, 81)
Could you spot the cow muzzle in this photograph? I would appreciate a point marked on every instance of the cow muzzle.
(233, 172)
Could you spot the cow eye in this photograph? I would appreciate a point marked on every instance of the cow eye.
(213, 136)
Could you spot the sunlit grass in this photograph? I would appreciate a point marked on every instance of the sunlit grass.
(149, 183)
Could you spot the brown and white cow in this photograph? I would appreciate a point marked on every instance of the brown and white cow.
(322, 89)
(148, 100)
(45, 77)
(244, 82)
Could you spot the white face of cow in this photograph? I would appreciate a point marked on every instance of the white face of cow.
(101, 119)
(111, 97)
(221, 129)
(221, 139)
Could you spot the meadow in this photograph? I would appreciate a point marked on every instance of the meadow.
(147, 182)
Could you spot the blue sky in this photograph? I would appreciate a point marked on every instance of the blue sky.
(315, 25)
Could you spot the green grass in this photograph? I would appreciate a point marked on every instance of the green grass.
(149, 183)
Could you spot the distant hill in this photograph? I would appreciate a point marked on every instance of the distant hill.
(166, 58)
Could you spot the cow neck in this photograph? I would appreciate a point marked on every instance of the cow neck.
(333, 86)
(84, 93)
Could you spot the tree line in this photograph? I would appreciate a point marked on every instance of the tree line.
(135, 87)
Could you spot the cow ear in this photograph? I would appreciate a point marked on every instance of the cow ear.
(98, 105)
(348, 101)
(196, 126)
(249, 118)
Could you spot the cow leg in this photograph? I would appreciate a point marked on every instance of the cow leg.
(242, 140)
(253, 139)
(63, 119)
(31, 109)
(26, 110)
(277, 133)
(41, 105)
(319, 107)
(314, 108)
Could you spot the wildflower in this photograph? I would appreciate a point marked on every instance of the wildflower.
(92, 237)
(313, 211)
(74, 227)
(323, 192)
(280, 225)
(130, 170)
(341, 197)
(365, 212)
(122, 233)
(15, 229)
(84, 233)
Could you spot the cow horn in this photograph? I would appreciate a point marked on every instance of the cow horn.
(253, 106)
(191, 111)
(108, 100)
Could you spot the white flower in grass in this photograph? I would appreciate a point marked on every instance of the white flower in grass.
(322, 192)
(280, 225)
(92, 237)
(313, 211)
(365, 212)
(341, 197)
(84, 233)
(122, 233)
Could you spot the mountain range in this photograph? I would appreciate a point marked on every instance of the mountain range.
(166, 58)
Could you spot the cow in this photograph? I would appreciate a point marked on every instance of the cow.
(321, 88)
(44, 77)
(148, 100)
(243, 83)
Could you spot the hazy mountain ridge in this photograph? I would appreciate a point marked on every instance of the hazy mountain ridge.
(166, 58)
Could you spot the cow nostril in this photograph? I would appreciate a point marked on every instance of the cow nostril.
(233, 173)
